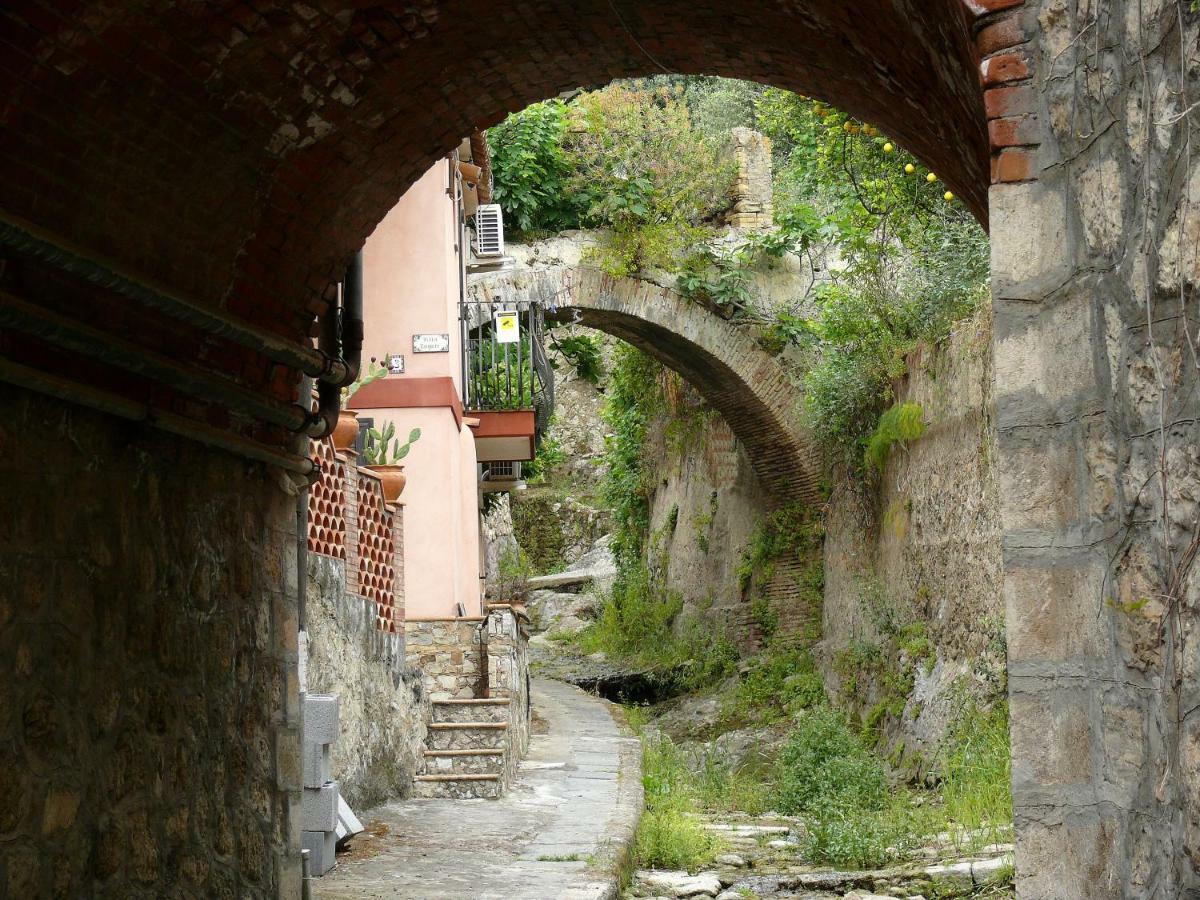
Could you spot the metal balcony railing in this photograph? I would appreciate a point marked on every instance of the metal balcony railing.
(504, 364)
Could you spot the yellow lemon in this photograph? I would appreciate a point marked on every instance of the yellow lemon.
(888, 148)
(931, 178)
(910, 168)
(947, 196)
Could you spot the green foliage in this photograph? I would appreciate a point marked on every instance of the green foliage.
(976, 769)
(633, 399)
(583, 352)
(777, 682)
(383, 448)
(909, 262)
(669, 836)
(530, 169)
(640, 622)
(825, 768)
(902, 422)
(625, 158)
(547, 456)
(863, 839)
(643, 173)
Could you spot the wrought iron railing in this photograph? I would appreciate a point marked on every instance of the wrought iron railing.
(504, 364)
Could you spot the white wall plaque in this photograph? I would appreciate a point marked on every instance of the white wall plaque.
(431, 343)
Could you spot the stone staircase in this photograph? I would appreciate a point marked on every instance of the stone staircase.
(468, 749)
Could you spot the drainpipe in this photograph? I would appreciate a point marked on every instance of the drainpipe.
(341, 338)
(306, 386)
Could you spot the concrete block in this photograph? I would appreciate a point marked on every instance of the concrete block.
(320, 807)
(317, 764)
(320, 718)
(322, 850)
(348, 824)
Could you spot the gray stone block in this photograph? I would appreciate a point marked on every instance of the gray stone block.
(320, 718)
(317, 764)
(320, 807)
(322, 849)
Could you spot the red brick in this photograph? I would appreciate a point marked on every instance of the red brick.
(1001, 102)
(1004, 68)
(1018, 131)
(1002, 34)
(1014, 164)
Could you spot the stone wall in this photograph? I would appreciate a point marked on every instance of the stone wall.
(753, 205)
(705, 504)
(508, 670)
(918, 546)
(149, 699)
(1095, 276)
(383, 702)
(450, 654)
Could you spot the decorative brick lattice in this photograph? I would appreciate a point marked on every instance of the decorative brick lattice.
(327, 504)
(376, 551)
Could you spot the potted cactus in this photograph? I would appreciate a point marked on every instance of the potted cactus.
(384, 452)
(345, 433)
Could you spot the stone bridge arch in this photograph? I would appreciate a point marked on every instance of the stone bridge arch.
(734, 375)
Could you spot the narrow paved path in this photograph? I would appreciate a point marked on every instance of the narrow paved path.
(578, 796)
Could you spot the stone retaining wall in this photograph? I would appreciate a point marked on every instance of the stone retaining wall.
(383, 702)
(508, 670)
(450, 654)
(919, 546)
(149, 699)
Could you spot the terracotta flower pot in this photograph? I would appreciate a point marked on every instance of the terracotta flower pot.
(345, 433)
(393, 479)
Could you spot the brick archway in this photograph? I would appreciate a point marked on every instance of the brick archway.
(238, 153)
(735, 376)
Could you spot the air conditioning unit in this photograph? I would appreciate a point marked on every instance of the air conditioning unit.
(489, 230)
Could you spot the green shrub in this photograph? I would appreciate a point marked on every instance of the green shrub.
(901, 423)
(824, 768)
(669, 836)
(777, 682)
(860, 840)
(530, 169)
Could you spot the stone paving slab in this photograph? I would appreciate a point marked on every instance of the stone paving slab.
(578, 794)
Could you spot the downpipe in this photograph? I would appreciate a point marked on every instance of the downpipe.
(340, 339)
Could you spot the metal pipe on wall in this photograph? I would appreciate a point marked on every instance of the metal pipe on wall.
(29, 239)
(113, 404)
(72, 335)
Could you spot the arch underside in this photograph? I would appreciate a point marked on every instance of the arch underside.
(240, 153)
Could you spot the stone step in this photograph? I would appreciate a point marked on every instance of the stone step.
(480, 710)
(458, 787)
(464, 762)
(465, 735)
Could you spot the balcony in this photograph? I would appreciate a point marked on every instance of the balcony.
(508, 385)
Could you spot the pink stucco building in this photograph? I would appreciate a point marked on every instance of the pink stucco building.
(414, 273)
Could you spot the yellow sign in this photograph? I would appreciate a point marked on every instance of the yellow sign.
(508, 328)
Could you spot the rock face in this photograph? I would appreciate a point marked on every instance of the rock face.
(564, 603)
(384, 706)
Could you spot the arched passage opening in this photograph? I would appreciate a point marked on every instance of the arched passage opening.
(238, 154)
